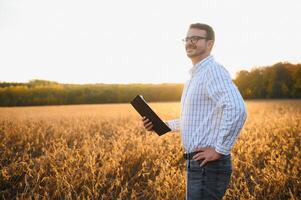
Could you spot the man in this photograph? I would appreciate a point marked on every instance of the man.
(212, 115)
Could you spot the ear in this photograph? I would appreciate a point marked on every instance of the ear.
(210, 44)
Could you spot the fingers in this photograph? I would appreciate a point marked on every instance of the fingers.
(145, 120)
(199, 156)
(203, 154)
(203, 163)
(148, 125)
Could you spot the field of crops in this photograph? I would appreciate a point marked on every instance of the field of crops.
(103, 152)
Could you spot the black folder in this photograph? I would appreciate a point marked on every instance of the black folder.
(144, 110)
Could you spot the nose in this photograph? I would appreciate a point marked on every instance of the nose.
(190, 44)
(188, 41)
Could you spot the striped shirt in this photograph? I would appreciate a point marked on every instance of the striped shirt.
(212, 109)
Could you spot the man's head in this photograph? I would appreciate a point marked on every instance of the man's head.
(199, 41)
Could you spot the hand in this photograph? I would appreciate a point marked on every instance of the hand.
(148, 125)
(208, 154)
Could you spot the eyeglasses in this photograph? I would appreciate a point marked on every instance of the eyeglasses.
(193, 39)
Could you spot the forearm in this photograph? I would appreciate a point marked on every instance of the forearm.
(232, 122)
(173, 124)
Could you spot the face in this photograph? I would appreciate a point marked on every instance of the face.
(200, 47)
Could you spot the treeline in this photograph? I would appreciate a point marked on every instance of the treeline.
(282, 80)
(40, 92)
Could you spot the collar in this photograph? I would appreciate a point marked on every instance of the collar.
(200, 64)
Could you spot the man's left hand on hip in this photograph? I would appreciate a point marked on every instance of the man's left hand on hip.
(206, 154)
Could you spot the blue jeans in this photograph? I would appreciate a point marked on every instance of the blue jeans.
(210, 181)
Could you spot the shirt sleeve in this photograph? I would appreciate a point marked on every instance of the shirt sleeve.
(226, 96)
(173, 124)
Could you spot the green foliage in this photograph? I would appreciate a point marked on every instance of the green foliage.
(282, 80)
(40, 92)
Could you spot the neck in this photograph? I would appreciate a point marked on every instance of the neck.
(197, 59)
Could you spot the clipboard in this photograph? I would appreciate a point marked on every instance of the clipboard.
(145, 110)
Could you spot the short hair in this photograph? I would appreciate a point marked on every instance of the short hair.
(205, 27)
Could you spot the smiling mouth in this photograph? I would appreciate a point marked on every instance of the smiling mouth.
(190, 49)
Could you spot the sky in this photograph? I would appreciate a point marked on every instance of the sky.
(135, 41)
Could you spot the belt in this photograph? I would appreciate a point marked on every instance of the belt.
(188, 156)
